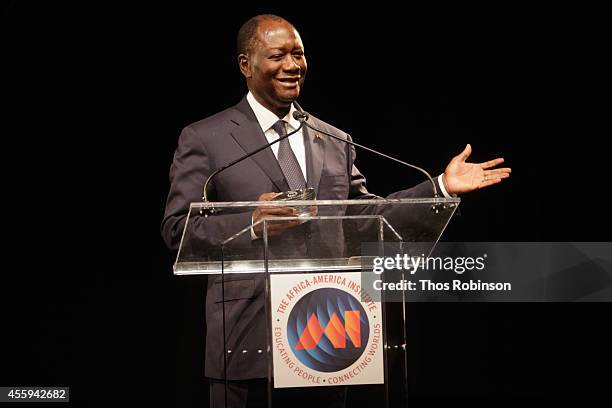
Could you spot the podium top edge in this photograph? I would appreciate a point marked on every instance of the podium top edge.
(381, 201)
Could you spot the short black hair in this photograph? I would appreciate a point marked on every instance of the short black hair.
(247, 35)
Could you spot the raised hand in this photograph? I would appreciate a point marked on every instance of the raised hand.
(463, 177)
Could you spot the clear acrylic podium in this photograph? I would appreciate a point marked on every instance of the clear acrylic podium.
(246, 313)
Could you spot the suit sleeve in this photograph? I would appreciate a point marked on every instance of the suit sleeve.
(413, 222)
(190, 168)
(359, 191)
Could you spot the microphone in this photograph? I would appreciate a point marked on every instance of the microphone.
(238, 160)
(300, 115)
(303, 117)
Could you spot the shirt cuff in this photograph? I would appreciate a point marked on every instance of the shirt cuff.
(441, 183)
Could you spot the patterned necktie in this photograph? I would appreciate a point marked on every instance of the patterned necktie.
(287, 160)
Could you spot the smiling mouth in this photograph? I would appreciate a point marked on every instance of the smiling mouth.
(289, 82)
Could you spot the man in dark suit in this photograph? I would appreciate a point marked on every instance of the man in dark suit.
(271, 58)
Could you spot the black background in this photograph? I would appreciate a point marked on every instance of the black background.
(95, 97)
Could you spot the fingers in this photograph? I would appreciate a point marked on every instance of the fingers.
(266, 213)
(281, 225)
(277, 211)
(269, 213)
(488, 177)
(497, 172)
(466, 152)
(277, 227)
(494, 176)
(489, 182)
(492, 163)
(267, 196)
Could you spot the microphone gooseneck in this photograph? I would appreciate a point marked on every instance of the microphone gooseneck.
(303, 117)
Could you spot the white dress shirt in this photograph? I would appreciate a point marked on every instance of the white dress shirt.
(267, 119)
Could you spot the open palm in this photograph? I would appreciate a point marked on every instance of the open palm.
(462, 177)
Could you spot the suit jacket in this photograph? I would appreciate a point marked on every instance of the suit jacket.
(211, 143)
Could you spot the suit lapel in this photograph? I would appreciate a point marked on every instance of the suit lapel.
(315, 157)
(250, 137)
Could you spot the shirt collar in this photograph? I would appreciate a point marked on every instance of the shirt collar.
(266, 118)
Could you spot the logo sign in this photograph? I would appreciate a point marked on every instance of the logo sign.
(323, 334)
(327, 329)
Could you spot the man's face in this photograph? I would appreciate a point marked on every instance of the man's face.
(276, 68)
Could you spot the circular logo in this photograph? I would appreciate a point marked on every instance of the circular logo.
(328, 329)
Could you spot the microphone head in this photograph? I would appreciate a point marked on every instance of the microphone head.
(302, 116)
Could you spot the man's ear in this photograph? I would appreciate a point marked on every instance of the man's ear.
(245, 65)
